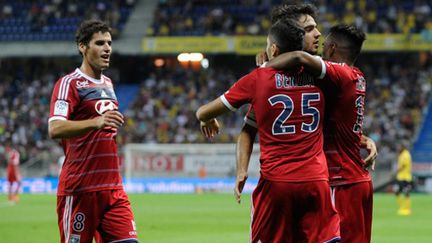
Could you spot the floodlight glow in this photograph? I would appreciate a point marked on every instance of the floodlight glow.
(159, 62)
(183, 57)
(205, 63)
(196, 57)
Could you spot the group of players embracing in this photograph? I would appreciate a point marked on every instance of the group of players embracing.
(314, 185)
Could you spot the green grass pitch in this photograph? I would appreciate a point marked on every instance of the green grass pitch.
(177, 218)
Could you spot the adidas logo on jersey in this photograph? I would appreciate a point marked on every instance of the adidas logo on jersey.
(103, 94)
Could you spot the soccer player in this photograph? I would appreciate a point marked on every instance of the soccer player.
(404, 180)
(84, 114)
(344, 87)
(304, 15)
(13, 172)
(291, 202)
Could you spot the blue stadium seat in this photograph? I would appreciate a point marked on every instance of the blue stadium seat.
(422, 150)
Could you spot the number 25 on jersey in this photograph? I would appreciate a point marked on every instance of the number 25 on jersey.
(307, 111)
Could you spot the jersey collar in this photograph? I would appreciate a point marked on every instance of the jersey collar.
(97, 81)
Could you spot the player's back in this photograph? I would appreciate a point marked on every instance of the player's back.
(345, 90)
(91, 160)
(289, 111)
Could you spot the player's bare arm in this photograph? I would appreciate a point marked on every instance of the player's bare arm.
(244, 148)
(211, 110)
(68, 129)
(370, 146)
(296, 59)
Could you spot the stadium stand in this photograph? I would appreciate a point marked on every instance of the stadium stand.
(58, 19)
(422, 152)
(240, 17)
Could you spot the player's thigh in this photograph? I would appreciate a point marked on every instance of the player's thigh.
(354, 203)
(272, 212)
(77, 217)
(318, 221)
(12, 177)
(118, 222)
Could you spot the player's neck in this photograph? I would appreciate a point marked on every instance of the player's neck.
(90, 71)
(340, 59)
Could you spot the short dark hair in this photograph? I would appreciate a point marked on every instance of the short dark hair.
(287, 35)
(350, 37)
(87, 28)
(293, 11)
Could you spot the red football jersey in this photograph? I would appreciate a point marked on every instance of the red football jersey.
(91, 160)
(345, 89)
(289, 110)
(13, 157)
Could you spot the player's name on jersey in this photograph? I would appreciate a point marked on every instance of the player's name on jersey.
(283, 81)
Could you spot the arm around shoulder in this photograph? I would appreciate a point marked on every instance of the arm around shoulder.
(295, 59)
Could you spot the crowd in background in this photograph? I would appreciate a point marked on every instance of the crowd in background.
(164, 109)
(25, 93)
(57, 19)
(252, 17)
(398, 92)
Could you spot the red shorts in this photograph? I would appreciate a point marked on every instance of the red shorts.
(354, 205)
(293, 212)
(13, 176)
(107, 214)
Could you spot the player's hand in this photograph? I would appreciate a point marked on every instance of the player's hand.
(371, 148)
(210, 128)
(111, 119)
(239, 184)
(261, 58)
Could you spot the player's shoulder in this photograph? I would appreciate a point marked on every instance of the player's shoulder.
(339, 65)
(344, 69)
(107, 81)
(70, 78)
(357, 71)
(264, 70)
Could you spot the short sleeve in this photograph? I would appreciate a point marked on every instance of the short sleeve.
(242, 92)
(63, 100)
(250, 117)
(323, 68)
(333, 72)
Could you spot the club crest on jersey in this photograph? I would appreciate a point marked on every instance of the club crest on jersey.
(103, 106)
(82, 84)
